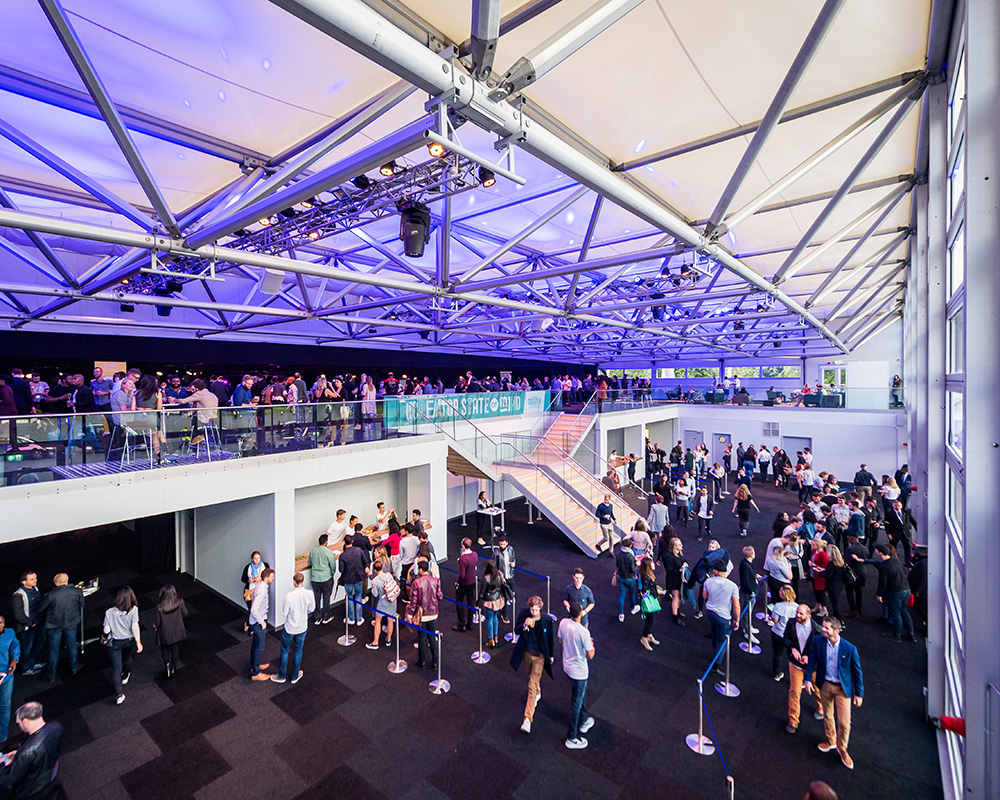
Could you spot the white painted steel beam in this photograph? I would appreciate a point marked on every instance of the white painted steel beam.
(353, 24)
(817, 33)
(85, 69)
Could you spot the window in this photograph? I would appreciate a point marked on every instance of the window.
(772, 430)
(956, 341)
(956, 503)
(957, 102)
(956, 180)
(956, 262)
(781, 372)
(703, 372)
(742, 372)
(670, 373)
(956, 424)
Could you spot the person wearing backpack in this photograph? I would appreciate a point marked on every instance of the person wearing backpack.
(385, 593)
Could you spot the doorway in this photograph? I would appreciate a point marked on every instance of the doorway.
(719, 442)
(792, 444)
(834, 378)
(693, 438)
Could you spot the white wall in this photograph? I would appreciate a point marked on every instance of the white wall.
(225, 536)
(841, 439)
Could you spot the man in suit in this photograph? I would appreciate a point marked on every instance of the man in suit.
(799, 636)
(874, 523)
(898, 525)
(904, 481)
(837, 667)
(864, 482)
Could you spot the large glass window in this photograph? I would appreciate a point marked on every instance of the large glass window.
(956, 262)
(956, 502)
(703, 372)
(956, 180)
(742, 372)
(781, 372)
(956, 422)
(956, 341)
(670, 373)
(957, 102)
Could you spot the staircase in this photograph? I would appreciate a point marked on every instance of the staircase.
(566, 433)
(563, 490)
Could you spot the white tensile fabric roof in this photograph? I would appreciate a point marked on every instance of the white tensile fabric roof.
(217, 94)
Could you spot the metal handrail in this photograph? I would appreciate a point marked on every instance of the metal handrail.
(583, 471)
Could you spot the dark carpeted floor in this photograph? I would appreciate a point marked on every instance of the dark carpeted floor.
(352, 729)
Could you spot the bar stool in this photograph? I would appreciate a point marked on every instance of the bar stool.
(210, 438)
(136, 439)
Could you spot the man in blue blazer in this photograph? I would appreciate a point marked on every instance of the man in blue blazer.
(838, 675)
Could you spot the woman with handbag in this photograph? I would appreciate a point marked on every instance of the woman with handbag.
(672, 558)
(251, 576)
(491, 601)
(650, 601)
(121, 637)
(385, 594)
(836, 581)
(170, 613)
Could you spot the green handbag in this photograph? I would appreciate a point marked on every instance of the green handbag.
(650, 603)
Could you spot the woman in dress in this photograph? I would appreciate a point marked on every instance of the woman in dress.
(672, 558)
(385, 593)
(835, 580)
(368, 395)
(648, 590)
(170, 613)
(323, 393)
(147, 397)
(742, 503)
(121, 629)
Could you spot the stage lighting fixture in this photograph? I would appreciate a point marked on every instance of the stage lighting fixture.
(486, 177)
(389, 169)
(436, 149)
(362, 182)
(126, 308)
(307, 204)
(314, 235)
(657, 310)
(163, 311)
(637, 280)
(265, 221)
(425, 335)
(173, 286)
(287, 213)
(241, 232)
(414, 227)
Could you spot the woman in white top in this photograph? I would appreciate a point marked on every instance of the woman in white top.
(779, 572)
(781, 615)
(682, 493)
(121, 629)
(763, 461)
(368, 395)
(890, 491)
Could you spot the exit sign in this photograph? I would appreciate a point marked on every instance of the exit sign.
(15, 456)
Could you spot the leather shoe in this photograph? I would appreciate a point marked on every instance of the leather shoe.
(265, 666)
(260, 676)
(459, 628)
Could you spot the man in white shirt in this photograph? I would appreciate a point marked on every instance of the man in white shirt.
(299, 604)
(577, 650)
(259, 607)
(722, 602)
(338, 528)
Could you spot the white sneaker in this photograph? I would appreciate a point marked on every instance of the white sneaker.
(526, 725)
(276, 679)
(538, 697)
(587, 725)
(125, 678)
(635, 609)
(120, 699)
(754, 630)
(621, 617)
(576, 744)
(297, 678)
(359, 622)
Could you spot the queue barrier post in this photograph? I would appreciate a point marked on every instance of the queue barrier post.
(512, 637)
(398, 665)
(548, 597)
(698, 742)
(751, 645)
(725, 688)
(347, 640)
(439, 686)
(480, 656)
(477, 615)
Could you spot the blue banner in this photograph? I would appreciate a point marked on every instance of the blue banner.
(452, 407)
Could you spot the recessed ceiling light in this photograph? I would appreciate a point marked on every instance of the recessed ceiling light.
(187, 103)
(222, 95)
(266, 63)
(570, 217)
(638, 148)
(181, 156)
